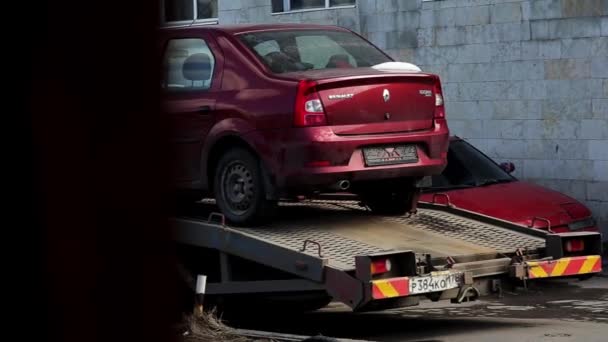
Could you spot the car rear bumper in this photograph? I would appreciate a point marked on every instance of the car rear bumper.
(317, 157)
(356, 171)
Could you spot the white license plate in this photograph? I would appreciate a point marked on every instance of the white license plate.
(436, 281)
(388, 155)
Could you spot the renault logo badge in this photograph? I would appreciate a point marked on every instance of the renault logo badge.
(386, 95)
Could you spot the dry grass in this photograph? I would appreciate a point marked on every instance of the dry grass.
(207, 327)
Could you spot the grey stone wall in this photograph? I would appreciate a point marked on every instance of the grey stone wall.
(260, 11)
(524, 80)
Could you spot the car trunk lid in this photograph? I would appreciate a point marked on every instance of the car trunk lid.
(372, 102)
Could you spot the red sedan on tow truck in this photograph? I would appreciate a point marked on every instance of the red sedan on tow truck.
(260, 113)
(474, 182)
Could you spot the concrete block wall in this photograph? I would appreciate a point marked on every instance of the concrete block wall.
(524, 80)
(260, 11)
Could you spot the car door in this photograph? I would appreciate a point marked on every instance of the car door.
(192, 67)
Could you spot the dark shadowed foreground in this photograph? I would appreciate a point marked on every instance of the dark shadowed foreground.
(92, 255)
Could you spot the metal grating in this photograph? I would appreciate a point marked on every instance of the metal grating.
(479, 233)
(306, 220)
(458, 227)
(340, 251)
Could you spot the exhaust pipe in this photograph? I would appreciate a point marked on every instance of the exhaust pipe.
(342, 185)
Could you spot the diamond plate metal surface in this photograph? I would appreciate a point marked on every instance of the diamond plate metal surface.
(339, 250)
(304, 221)
(479, 233)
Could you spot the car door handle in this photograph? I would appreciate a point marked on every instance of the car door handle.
(204, 110)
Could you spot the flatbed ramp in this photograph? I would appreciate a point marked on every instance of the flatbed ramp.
(345, 230)
(368, 261)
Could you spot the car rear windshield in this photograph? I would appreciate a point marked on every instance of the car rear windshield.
(299, 50)
(467, 166)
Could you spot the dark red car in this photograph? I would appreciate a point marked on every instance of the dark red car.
(474, 182)
(265, 112)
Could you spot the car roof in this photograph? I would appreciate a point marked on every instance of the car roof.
(244, 28)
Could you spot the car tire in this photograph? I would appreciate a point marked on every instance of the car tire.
(391, 197)
(239, 188)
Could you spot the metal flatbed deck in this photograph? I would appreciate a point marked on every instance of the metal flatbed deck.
(330, 245)
(345, 230)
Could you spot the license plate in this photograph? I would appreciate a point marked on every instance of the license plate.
(387, 155)
(436, 281)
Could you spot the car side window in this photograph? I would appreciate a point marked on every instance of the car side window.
(188, 65)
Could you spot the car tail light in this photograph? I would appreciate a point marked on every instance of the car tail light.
(319, 163)
(582, 224)
(576, 210)
(574, 245)
(439, 105)
(309, 109)
(380, 266)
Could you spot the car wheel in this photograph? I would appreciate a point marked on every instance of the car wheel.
(391, 198)
(239, 188)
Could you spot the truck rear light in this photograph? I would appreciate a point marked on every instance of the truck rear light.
(439, 104)
(574, 245)
(309, 109)
(380, 266)
(569, 244)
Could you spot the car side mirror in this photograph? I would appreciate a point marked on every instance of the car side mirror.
(508, 167)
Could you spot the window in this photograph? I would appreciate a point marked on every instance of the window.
(178, 10)
(468, 167)
(309, 47)
(206, 9)
(188, 65)
(267, 47)
(306, 4)
(336, 3)
(296, 5)
(189, 10)
(300, 50)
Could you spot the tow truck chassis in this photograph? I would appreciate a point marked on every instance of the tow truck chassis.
(370, 262)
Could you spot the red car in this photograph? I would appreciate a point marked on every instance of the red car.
(264, 112)
(474, 182)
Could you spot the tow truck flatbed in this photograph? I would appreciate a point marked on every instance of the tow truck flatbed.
(329, 245)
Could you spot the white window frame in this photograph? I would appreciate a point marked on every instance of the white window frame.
(194, 21)
(287, 7)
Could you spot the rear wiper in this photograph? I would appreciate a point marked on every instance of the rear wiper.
(492, 181)
(448, 187)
